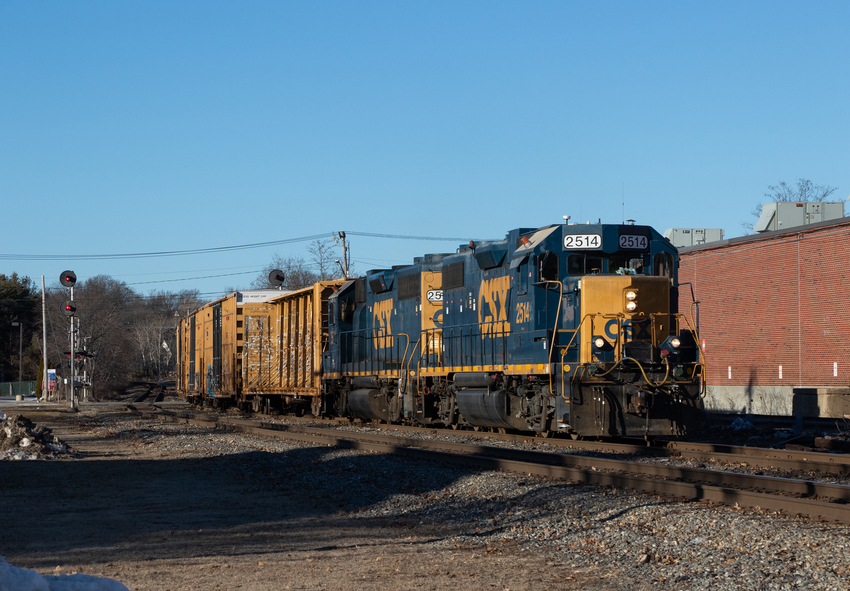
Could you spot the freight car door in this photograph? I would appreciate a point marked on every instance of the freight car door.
(214, 386)
(258, 355)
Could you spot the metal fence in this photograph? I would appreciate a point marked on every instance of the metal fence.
(11, 388)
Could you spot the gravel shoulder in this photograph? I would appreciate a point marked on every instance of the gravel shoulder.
(161, 506)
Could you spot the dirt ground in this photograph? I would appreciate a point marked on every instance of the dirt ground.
(155, 520)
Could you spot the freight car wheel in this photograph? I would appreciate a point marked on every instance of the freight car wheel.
(257, 403)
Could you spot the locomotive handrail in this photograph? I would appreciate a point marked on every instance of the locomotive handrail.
(704, 363)
(554, 327)
(369, 353)
(566, 349)
(455, 343)
(406, 368)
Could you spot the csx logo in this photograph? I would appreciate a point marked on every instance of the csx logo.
(632, 330)
(382, 313)
(493, 306)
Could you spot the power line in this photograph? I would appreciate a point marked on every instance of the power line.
(182, 272)
(195, 278)
(143, 255)
(404, 237)
(172, 253)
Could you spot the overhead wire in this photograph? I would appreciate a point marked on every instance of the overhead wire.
(218, 249)
(172, 253)
(196, 278)
(164, 253)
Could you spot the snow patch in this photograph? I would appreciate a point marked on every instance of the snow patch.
(21, 579)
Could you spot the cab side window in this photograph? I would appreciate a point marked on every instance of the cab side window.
(522, 280)
(662, 265)
(549, 267)
(575, 264)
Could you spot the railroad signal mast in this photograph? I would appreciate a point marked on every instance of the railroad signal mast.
(69, 308)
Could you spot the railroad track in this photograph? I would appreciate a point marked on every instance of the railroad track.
(791, 496)
(837, 464)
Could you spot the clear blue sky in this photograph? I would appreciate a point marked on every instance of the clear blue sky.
(132, 127)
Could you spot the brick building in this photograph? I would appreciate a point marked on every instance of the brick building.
(773, 315)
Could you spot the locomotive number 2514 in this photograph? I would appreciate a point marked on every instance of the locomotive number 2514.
(583, 241)
(633, 242)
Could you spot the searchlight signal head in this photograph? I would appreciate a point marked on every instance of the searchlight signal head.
(276, 277)
(68, 278)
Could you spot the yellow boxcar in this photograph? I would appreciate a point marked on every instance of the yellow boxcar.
(215, 340)
(210, 354)
(282, 348)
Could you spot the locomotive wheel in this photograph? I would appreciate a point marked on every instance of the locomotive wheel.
(544, 434)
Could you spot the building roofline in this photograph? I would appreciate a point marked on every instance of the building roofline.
(806, 228)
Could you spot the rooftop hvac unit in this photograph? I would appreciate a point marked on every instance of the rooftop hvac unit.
(787, 214)
(682, 237)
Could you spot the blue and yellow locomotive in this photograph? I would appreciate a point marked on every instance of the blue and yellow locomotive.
(567, 328)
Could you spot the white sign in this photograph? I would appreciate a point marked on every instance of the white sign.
(435, 295)
(582, 241)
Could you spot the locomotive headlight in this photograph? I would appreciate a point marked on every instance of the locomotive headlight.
(631, 306)
(671, 347)
(602, 349)
(631, 295)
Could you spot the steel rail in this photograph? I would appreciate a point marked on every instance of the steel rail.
(756, 457)
(759, 491)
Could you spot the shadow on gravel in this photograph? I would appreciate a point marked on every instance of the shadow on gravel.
(230, 504)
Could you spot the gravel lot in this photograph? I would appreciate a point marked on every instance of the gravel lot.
(161, 506)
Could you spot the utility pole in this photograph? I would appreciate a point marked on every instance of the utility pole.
(20, 326)
(340, 237)
(45, 387)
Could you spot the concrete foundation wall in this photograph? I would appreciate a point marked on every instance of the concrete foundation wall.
(757, 400)
(827, 403)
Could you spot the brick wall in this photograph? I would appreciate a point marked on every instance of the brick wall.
(771, 301)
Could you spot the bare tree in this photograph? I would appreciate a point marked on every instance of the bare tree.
(321, 253)
(154, 331)
(107, 309)
(805, 191)
(129, 335)
(296, 272)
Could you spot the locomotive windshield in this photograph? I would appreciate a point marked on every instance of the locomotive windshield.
(618, 263)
